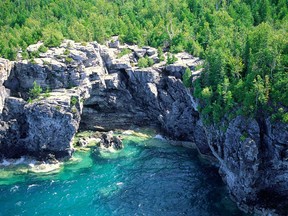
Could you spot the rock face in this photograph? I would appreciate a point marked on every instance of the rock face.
(253, 162)
(47, 125)
(38, 129)
(89, 85)
(99, 88)
(107, 141)
(5, 67)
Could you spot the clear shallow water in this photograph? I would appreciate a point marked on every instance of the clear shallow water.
(147, 177)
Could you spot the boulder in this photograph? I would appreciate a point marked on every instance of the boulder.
(114, 44)
(82, 142)
(108, 140)
(151, 51)
(140, 52)
(176, 70)
(34, 47)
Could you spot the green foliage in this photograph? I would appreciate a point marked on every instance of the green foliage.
(66, 52)
(68, 60)
(280, 115)
(47, 93)
(32, 61)
(73, 101)
(187, 76)
(171, 59)
(198, 67)
(34, 54)
(52, 37)
(123, 52)
(42, 49)
(143, 62)
(149, 61)
(25, 55)
(35, 91)
(244, 43)
(45, 62)
(160, 54)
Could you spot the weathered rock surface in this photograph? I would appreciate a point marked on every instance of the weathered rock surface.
(5, 68)
(92, 85)
(39, 128)
(253, 162)
(108, 140)
(93, 88)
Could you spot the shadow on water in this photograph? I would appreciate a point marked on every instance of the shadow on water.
(163, 180)
(147, 177)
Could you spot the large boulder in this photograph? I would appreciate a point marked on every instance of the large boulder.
(110, 141)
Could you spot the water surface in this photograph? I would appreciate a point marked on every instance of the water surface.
(147, 177)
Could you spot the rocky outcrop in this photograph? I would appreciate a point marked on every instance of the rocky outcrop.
(253, 162)
(93, 87)
(109, 141)
(47, 124)
(5, 68)
(38, 129)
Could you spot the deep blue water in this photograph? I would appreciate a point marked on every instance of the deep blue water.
(147, 177)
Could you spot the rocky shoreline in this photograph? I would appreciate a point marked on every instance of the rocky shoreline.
(102, 87)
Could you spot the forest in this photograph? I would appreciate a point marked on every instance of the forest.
(244, 43)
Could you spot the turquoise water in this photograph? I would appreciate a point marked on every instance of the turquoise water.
(147, 177)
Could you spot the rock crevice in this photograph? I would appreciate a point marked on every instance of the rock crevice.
(93, 87)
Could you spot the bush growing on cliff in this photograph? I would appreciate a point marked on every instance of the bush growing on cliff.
(43, 49)
(35, 91)
(160, 54)
(73, 101)
(124, 52)
(244, 43)
(142, 63)
(171, 59)
(187, 76)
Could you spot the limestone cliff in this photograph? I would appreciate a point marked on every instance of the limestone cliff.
(97, 87)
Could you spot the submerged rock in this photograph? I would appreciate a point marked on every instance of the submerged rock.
(93, 87)
(108, 140)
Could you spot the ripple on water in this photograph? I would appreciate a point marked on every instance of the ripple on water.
(147, 177)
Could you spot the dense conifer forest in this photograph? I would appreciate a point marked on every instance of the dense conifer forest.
(244, 42)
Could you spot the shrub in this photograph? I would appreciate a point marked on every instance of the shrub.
(52, 38)
(198, 67)
(32, 61)
(160, 54)
(34, 54)
(66, 52)
(73, 101)
(68, 60)
(25, 55)
(171, 59)
(43, 49)
(143, 63)
(123, 52)
(150, 61)
(47, 93)
(45, 62)
(35, 91)
(187, 78)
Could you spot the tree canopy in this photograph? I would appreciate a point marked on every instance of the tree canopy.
(244, 43)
